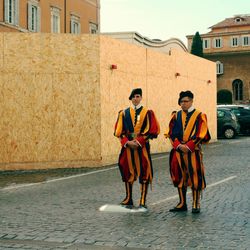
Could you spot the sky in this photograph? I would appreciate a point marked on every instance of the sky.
(165, 19)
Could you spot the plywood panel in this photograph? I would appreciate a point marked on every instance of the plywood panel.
(77, 118)
(1, 50)
(59, 99)
(18, 96)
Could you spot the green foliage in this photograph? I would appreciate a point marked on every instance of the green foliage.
(224, 96)
(197, 48)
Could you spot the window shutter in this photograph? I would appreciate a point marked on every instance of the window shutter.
(16, 12)
(71, 26)
(239, 41)
(217, 68)
(242, 41)
(6, 11)
(51, 22)
(38, 19)
(29, 16)
(79, 28)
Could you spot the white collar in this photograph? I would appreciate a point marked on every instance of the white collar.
(191, 109)
(136, 107)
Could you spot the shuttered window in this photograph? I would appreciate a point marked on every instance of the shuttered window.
(11, 12)
(245, 40)
(93, 28)
(55, 20)
(75, 25)
(206, 43)
(34, 17)
(219, 68)
(235, 41)
(217, 42)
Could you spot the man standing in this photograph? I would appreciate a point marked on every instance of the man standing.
(134, 127)
(187, 131)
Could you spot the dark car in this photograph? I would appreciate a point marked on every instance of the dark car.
(227, 123)
(242, 113)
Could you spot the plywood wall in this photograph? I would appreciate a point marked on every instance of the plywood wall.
(59, 99)
(50, 101)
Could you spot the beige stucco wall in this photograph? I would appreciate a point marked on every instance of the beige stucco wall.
(59, 99)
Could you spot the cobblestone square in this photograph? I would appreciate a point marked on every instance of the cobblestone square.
(62, 213)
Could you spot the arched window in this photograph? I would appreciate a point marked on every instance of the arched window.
(238, 90)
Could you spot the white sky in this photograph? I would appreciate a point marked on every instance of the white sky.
(164, 19)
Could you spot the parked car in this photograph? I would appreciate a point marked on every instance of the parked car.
(227, 123)
(242, 113)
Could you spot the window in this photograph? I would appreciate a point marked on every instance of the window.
(55, 20)
(234, 41)
(217, 42)
(33, 16)
(11, 11)
(238, 90)
(219, 68)
(245, 40)
(93, 28)
(75, 25)
(206, 43)
(238, 20)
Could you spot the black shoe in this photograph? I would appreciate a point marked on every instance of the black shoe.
(195, 210)
(143, 208)
(127, 204)
(179, 209)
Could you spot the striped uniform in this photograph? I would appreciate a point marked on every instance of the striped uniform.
(141, 125)
(187, 169)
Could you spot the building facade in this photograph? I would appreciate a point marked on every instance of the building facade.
(228, 44)
(50, 16)
(155, 44)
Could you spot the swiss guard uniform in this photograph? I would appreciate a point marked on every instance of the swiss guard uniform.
(187, 169)
(140, 124)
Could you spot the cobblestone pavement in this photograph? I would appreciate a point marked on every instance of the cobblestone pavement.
(63, 213)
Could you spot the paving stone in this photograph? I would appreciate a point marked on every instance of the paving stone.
(64, 214)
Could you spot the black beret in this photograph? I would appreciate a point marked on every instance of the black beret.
(137, 91)
(187, 93)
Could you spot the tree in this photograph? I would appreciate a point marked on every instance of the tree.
(224, 96)
(197, 48)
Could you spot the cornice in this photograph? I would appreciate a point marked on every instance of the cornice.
(93, 2)
(13, 27)
(211, 34)
(227, 53)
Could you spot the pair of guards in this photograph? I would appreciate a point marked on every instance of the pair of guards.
(186, 169)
